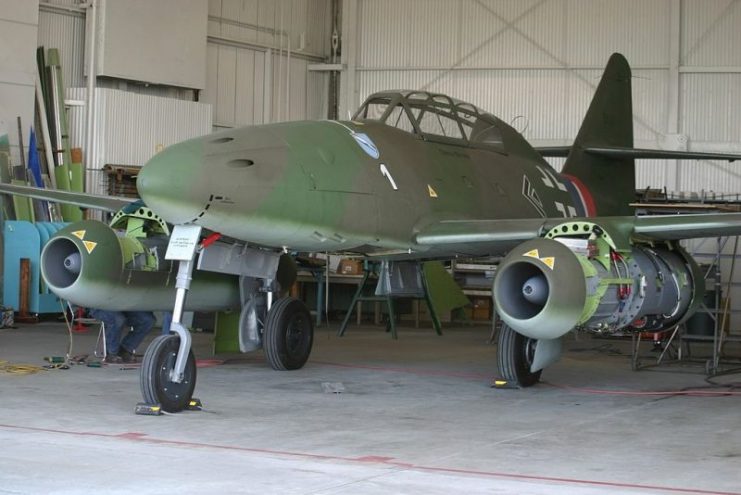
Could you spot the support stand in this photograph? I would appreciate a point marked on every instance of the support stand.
(388, 299)
(677, 347)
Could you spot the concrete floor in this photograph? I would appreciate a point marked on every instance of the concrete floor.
(416, 416)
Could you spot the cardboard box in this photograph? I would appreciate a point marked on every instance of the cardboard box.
(481, 309)
(350, 267)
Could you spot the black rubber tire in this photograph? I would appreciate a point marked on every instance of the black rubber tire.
(288, 334)
(156, 386)
(514, 356)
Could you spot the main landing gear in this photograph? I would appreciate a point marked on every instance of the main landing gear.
(283, 328)
(288, 334)
(515, 355)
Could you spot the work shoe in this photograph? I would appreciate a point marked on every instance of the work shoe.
(126, 356)
(112, 359)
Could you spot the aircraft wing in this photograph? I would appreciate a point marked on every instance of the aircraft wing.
(641, 153)
(649, 227)
(485, 231)
(84, 200)
(675, 227)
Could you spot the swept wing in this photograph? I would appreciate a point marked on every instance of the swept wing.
(84, 200)
(495, 233)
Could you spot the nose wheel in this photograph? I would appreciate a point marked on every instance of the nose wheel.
(288, 334)
(156, 381)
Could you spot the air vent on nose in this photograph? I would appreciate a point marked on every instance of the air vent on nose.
(239, 163)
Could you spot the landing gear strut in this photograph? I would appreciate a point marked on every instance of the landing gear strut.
(168, 374)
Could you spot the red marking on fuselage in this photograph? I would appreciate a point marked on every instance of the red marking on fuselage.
(584, 193)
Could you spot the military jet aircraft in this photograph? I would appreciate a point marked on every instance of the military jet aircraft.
(412, 176)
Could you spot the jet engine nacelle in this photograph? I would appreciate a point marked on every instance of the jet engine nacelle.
(546, 287)
(88, 264)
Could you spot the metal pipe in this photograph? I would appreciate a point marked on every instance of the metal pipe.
(269, 287)
(62, 9)
(280, 64)
(267, 88)
(261, 47)
(90, 114)
(717, 352)
(288, 80)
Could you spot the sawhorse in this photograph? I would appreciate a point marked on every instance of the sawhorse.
(391, 323)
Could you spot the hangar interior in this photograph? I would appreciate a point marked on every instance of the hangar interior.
(372, 414)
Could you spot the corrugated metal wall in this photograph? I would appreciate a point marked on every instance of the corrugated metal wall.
(538, 61)
(19, 27)
(258, 57)
(64, 29)
(133, 127)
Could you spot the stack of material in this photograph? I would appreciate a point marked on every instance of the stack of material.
(51, 163)
(122, 180)
(63, 168)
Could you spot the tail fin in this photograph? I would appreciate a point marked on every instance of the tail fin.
(609, 122)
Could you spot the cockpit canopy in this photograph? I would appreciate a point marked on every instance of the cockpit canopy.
(434, 117)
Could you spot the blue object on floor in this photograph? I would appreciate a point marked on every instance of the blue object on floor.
(23, 239)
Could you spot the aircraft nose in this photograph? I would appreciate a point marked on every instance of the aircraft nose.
(168, 182)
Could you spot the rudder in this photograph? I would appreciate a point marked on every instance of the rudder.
(608, 123)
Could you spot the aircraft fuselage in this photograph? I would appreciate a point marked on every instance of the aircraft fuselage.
(348, 186)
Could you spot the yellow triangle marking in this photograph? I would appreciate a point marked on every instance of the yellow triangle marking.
(532, 254)
(549, 261)
(433, 193)
(89, 245)
(80, 234)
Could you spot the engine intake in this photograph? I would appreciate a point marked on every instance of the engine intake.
(88, 264)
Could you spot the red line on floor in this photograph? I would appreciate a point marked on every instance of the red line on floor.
(377, 460)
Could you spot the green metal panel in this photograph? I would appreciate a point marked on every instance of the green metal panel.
(226, 332)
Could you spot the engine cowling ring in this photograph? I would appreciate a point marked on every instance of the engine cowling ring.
(549, 261)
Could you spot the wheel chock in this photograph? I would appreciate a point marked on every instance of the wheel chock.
(501, 383)
(144, 409)
(194, 405)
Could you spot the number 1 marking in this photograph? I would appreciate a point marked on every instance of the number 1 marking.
(385, 172)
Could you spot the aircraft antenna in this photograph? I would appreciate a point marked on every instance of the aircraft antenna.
(520, 120)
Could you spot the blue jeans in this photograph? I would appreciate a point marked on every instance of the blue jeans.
(141, 322)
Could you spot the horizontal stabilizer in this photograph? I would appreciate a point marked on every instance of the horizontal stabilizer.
(637, 153)
(83, 200)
